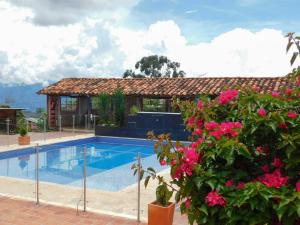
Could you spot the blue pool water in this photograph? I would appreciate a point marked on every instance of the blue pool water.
(108, 162)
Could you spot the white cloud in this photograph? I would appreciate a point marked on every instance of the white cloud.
(100, 47)
(61, 12)
(238, 52)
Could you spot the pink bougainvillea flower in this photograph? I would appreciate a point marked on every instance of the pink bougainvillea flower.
(216, 134)
(200, 105)
(283, 126)
(298, 186)
(188, 203)
(292, 115)
(211, 125)
(173, 162)
(288, 91)
(197, 132)
(191, 121)
(200, 123)
(298, 81)
(262, 112)
(260, 149)
(163, 162)
(241, 185)
(274, 179)
(229, 183)
(275, 94)
(277, 163)
(227, 96)
(214, 198)
(265, 168)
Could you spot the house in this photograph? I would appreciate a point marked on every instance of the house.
(73, 97)
(8, 119)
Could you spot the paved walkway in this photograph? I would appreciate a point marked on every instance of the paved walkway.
(9, 140)
(19, 212)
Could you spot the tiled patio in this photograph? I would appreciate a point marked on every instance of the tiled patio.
(19, 212)
(6, 140)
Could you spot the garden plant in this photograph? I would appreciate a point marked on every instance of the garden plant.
(243, 163)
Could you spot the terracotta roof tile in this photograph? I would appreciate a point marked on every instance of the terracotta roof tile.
(163, 87)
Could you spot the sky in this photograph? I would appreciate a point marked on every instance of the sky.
(43, 41)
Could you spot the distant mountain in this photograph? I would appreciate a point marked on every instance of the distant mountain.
(22, 96)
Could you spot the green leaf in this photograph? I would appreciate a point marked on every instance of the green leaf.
(294, 57)
(198, 181)
(147, 181)
(203, 209)
(151, 170)
(289, 46)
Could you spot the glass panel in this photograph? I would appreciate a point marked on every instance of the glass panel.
(154, 105)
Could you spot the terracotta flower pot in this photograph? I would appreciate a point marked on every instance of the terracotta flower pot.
(24, 140)
(159, 215)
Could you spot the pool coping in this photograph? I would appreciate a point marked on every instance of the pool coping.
(15, 147)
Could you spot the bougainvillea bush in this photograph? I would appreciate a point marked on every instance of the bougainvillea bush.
(243, 164)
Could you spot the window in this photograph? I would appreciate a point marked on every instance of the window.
(68, 104)
(154, 105)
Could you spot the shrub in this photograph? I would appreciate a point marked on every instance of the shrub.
(23, 131)
(243, 164)
(119, 106)
(104, 105)
(134, 110)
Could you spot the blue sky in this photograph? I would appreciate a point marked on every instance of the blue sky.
(44, 41)
(201, 20)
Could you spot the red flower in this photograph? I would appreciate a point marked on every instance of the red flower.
(200, 105)
(274, 179)
(240, 186)
(173, 162)
(277, 163)
(216, 134)
(197, 132)
(298, 81)
(275, 94)
(227, 96)
(298, 186)
(260, 149)
(262, 112)
(214, 198)
(288, 91)
(229, 183)
(191, 121)
(265, 168)
(199, 123)
(292, 115)
(211, 125)
(283, 126)
(188, 203)
(163, 162)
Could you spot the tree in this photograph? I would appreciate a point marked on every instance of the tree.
(155, 66)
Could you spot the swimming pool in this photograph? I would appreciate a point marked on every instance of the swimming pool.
(108, 162)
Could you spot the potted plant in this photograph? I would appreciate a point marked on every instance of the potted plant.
(23, 139)
(160, 211)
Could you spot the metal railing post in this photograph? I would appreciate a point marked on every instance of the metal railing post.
(45, 127)
(27, 126)
(7, 129)
(139, 187)
(59, 124)
(85, 121)
(84, 178)
(37, 174)
(94, 121)
(73, 124)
